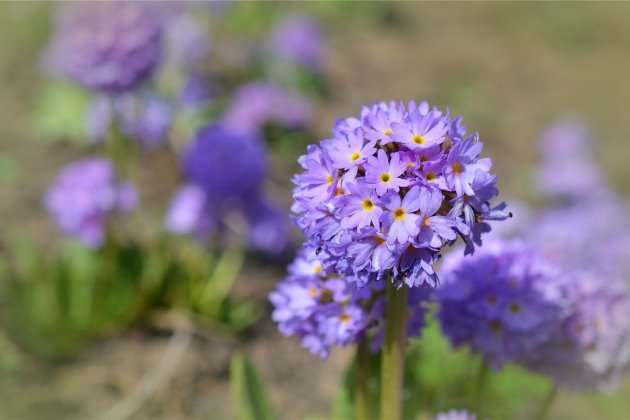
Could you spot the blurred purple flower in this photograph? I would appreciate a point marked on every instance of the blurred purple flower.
(299, 39)
(85, 194)
(145, 118)
(592, 347)
(187, 41)
(226, 163)
(196, 91)
(111, 47)
(455, 415)
(225, 171)
(567, 168)
(268, 226)
(188, 212)
(258, 103)
(503, 301)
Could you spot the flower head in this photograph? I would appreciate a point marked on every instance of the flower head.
(455, 415)
(111, 47)
(85, 194)
(258, 103)
(324, 310)
(591, 349)
(503, 301)
(225, 171)
(381, 201)
(301, 40)
(567, 169)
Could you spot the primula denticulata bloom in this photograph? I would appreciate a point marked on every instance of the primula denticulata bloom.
(85, 195)
(111, 47)
(391, 189)
(378, 202)
(225, 171)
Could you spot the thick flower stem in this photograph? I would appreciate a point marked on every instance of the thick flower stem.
(362, 391)
(480, 387)
(545, 408)
(393, 358)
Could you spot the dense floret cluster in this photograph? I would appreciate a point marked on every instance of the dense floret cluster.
(85, 194)
(591, 349)
(224, 185)
(503, 302)
(256, 104)
(391, 189)
(565, 152)
(301, 40)
(324, 310)
(146, 118)
(110, 47)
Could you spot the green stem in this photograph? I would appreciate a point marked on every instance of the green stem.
(393, 359)
(480, 386)
(545, 408)
(362, 391)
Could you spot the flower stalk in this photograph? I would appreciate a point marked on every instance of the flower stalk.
(393, 357)
(547, 403)
(362, 389)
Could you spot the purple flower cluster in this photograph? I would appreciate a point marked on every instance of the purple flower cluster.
(299, 39)
(224, 171)
(592, 346)
(455, 415)
(258, 103)
(324, 310)
(111, 47)
(565, 152)
(503, 302)
(391, 189)
(85, 194)
(145, 118)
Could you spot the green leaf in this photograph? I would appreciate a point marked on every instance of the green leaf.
(60, 113)
(248, 393)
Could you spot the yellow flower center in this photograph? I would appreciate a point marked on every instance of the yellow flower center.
(458, 168)
(423, 158)
(340, 191)
(355, 156)
(418, 139)
(368, 204)
(385, 177)
(430, 176)
(329, 180)
(379, 240)
(426, 222)
(515, 308)
(400, 214)
(318, 269)
(388, 132)
(345, 318)
(312, 291)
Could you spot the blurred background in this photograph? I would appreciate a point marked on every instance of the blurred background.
(282, 74)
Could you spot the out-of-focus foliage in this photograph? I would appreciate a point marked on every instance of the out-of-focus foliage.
(60, 113)
(248, 392)
(55, 303)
